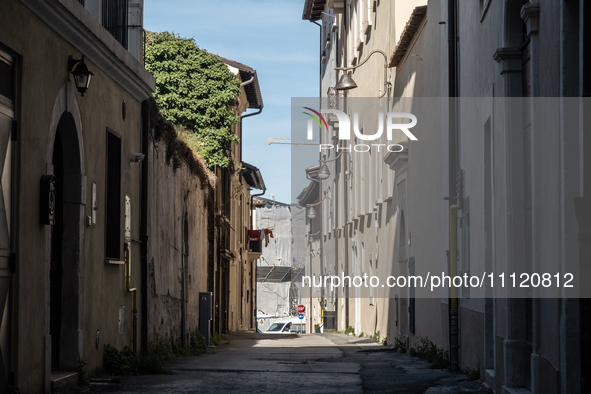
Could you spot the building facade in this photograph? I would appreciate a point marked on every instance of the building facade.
(64, 274)
(104, 240)
(359, 189)
(487, 159)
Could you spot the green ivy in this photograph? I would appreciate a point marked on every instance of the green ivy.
(194, 89)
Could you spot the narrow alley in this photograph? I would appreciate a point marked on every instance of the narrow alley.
(266, 363)
(307, 196)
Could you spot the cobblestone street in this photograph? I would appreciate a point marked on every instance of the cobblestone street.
(324, 363)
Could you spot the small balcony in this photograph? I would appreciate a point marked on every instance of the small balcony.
(255, 245)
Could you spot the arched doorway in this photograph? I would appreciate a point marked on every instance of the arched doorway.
(65, 273)
(65, 250)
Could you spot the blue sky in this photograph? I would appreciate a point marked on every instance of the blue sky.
(269, 36)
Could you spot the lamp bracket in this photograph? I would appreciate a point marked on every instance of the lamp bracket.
(387, 84)
(72, 62)
(319, 202)
(328, 161)
(365, 60)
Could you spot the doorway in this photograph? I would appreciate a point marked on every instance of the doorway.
(55, 273)
(65, 273)
(6, 214)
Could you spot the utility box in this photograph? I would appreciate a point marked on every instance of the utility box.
(205, 314)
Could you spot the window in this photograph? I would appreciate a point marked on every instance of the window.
(115, 19)
(113, 198)
(276, 327)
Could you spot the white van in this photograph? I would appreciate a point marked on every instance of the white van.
(290, 325)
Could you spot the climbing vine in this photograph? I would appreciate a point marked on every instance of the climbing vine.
(194, 89)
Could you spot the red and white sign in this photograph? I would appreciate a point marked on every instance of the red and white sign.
(301, 308)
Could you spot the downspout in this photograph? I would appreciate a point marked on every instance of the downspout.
(252, 196)
(254, 302)
(252, 114)
(133, 290)
(311, 311)
(320, 157)
(319, 68)
(144, 228)
(347, 185)
(251, 80)
(453, 199)
(247, 82)
(453, 270)
(254, 274)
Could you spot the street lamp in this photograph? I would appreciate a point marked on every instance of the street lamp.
(324, 172)
(81, 74)
(312, 212)
(347, 83)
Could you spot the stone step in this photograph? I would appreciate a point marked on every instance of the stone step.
(61, 381)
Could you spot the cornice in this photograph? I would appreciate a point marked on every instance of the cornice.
(77, 27)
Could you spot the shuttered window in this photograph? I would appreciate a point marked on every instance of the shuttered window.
(113, 197)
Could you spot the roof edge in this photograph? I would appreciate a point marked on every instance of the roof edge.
(412, 26)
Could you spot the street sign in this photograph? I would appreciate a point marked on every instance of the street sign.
(301, 316)
(301, 308)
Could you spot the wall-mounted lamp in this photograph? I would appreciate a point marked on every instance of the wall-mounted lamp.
(136, 157)
(347, 83)
(81, 73)
(324, 172)
(312, 212)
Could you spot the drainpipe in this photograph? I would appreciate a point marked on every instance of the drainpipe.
(347, 186)
(452, 170)
(144, 227)
(254, 274)
(252, 114)
(320, 157)
(131, 290)
(247, 82)
(319, 68)
(251, 80)
(252, 196)
(453, 270)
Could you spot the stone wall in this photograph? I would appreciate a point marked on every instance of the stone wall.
(177, 237)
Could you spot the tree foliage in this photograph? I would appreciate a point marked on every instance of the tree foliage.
(196, 90)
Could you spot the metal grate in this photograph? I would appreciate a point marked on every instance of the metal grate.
(113, 211)
(115, 19)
